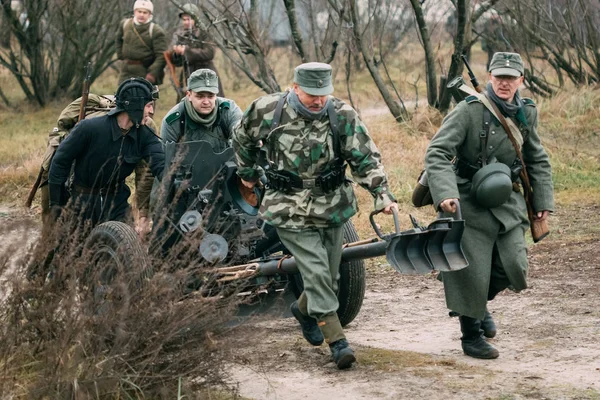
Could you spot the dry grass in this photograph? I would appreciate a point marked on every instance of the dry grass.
(148, 338)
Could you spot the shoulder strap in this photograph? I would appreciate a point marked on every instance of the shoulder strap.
(483, 136)
(507, 127)
(151, 29)
(139, 37)
(279, 111)
(181, 121)
(333, 123)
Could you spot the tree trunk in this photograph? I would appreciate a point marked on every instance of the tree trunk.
(456, 65)
(290, 9)
(393, 106)
(431, 78)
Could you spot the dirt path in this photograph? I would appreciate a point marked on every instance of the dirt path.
(408, 347)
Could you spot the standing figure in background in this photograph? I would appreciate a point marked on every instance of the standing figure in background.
(141, 45)
(191, 47)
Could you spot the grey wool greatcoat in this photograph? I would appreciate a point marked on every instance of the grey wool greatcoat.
(493, 237)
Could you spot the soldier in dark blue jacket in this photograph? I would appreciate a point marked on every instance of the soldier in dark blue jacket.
(106, 150)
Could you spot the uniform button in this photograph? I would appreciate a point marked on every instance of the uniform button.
(493, 132)
(491, 147)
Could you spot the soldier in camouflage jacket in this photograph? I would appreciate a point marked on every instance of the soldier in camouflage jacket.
(300, 144)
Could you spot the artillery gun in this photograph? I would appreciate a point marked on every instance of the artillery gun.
(204, 198)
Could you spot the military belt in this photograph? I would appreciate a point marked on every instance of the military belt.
(134, 62)
(285, 181)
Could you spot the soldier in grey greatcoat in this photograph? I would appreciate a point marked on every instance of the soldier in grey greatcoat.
(309, 136)
(493, 240)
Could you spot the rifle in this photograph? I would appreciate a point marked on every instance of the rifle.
(539, 228)
(173, 73)
(84, 98)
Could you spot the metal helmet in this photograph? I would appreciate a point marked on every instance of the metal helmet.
(190, 9)
(491, 185)
(132, 96)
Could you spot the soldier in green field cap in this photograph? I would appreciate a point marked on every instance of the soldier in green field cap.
(496, 221)
(309, 137)
(205, 115)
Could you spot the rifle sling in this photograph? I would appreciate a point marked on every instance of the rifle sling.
(524, 176)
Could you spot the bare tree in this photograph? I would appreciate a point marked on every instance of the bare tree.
(54, 43)
(398, 111)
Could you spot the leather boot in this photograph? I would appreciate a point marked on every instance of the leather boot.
(310, 329)
(473, 343)
(342, 354)
(488, 325)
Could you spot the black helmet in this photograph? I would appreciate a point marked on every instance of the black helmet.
(132, 96)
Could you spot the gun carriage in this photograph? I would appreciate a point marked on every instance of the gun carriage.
(205, 198)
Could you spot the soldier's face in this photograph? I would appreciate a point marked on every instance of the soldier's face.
(203, 102)
(187, 21)
(149, 110)
(313, 103)
(505, 86)
(141, 15)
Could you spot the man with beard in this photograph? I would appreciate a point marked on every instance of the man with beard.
(485, 177)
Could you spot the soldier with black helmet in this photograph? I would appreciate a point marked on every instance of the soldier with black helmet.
(106, 150)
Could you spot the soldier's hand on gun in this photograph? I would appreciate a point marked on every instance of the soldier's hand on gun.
(449, 205)
(179, 49)
(542, 215)
(247, 184)
(392, 206)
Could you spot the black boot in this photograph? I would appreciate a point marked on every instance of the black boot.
(473, 343)
(310, 329)
(342, 354)
(488, 325)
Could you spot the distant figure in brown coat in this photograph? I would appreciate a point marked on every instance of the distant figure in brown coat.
(192, 48)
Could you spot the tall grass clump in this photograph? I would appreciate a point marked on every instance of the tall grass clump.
(83, 318)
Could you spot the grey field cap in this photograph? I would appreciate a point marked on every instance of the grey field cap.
(314, 78)
(203, 80)
(506, 64)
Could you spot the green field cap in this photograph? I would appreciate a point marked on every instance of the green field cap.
(314, 78)
(509, 64)
(203, 80)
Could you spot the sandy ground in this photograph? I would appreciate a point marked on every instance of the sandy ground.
(409, 348)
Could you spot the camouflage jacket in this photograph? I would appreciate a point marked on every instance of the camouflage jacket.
(145, 43)
(305, 148)
(218, 134)
(97, 106)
